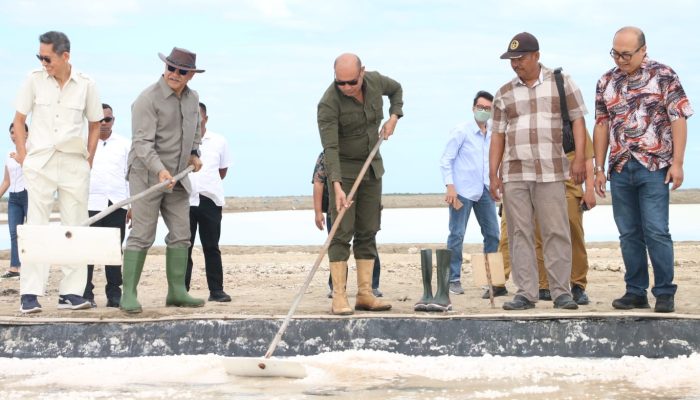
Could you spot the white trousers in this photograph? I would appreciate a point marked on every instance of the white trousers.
(68, 176)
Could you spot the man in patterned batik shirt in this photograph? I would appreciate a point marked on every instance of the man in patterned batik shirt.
(641, 112)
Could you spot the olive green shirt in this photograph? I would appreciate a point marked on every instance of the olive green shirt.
(350, 129)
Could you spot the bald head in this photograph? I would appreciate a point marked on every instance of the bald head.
(348, 61)
(629, 32)
(349, 74)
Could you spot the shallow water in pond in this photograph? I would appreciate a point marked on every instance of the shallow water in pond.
(356, 375)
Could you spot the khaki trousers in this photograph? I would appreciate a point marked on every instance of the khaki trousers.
(579, 256)
(525, 202)
(173, 205)
(67, 174)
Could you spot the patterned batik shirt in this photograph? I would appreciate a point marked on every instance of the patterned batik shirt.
(530, 118)
(639, 109)
(320, 176)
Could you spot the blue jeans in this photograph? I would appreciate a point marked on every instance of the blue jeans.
(485, 211)
(640, 201)
(16, 215)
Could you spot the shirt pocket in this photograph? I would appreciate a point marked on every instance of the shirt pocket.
(376, 112)
(75, 112)
(351, 123)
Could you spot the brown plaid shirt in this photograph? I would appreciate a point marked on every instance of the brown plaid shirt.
(530, 119)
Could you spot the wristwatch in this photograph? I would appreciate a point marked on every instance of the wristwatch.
(598, 168)
(195, 153)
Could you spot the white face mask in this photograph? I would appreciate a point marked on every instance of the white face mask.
(482, 116)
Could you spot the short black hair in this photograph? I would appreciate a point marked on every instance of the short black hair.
(482, 93)
(105, 106)
(59, 40)
(203, 107)
(12, 125)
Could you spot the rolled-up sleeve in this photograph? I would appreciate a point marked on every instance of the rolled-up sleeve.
(93, 106)
(25, 97)
(393, 90)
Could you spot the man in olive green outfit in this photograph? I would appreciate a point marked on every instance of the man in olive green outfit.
(349, 115)
(166, 139)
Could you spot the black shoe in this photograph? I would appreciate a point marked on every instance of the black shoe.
(10, 275)
(545, 295)
(664, 303)
(29, 304)
(220, 296)
(377, 293)
(497, 292)
(518, 303)
(566, 302)
(630, 301)
(92, 303)
(580, 296)
(113, 302)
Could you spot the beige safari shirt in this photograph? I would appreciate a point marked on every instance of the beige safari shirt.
(58, 114)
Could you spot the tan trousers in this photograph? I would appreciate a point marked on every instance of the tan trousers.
(525, 202)
(67, 174)
(579, 256)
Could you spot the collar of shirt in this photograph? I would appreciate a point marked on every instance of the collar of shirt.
(540, 78)
(167, 91)
(617, 72)
(72, 76)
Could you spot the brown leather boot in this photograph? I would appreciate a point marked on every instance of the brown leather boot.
(365, 298)
(339, 275)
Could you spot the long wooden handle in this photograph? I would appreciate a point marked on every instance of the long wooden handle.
(322, 253)
(488, 278)
(135, 197)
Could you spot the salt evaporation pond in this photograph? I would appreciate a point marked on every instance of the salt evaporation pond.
(356, 374)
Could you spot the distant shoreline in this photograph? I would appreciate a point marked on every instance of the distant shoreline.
(390, 200)
(393, 200)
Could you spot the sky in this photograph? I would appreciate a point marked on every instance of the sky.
(269, 61)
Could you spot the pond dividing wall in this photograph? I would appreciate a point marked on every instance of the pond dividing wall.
(580, 336)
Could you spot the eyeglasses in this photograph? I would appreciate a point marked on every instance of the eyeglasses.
(343, 83)
(180, 71)
(479, 107)
(45, 59)
(625, 56)
(107, 119)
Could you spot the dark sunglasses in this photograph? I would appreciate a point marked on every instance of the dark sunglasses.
(343, 83)
(107, 119)
(45, 59)
(180, 71)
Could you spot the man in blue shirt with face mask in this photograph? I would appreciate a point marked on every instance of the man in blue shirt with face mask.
(465, 171)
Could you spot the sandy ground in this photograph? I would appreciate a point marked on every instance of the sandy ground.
(263, 281)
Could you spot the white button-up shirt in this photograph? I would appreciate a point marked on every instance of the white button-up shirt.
(16, 176)
(207, 181)
(465, 162)
(58, 114)
(108, 174)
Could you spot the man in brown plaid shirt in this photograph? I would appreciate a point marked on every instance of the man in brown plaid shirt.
(528, 168)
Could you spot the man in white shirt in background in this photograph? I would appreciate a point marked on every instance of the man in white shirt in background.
(206, 206)
(108, 185)
(465, 171)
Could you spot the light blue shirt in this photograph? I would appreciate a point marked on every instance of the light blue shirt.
(465, 162)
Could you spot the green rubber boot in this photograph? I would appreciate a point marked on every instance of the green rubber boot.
(426, 265)
(441, 301)
(175, 268)
(132, 267)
